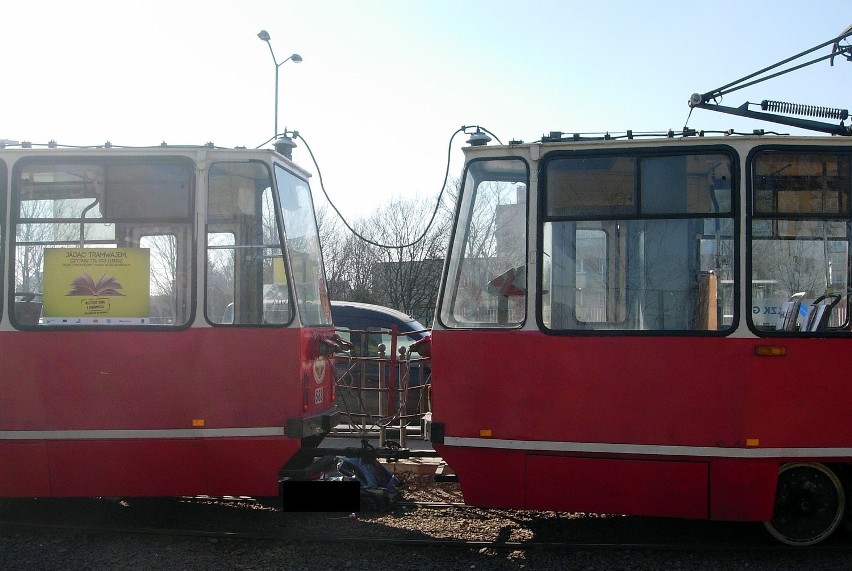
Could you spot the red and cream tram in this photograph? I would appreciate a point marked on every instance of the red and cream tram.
(653, 327)
(162, 321)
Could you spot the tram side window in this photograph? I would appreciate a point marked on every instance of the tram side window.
(169, 301)
(100, 243)
(800, 240)
(639, 243)
(487, 272)
(246, 280)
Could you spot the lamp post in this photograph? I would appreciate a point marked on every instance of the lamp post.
(296, 58)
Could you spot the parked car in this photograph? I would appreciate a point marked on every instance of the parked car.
(367, 328)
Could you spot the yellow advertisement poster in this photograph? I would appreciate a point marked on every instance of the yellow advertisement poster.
(279, 276)
(96, 286)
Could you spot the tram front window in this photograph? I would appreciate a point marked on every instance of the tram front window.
(486, 278)
(303, 247)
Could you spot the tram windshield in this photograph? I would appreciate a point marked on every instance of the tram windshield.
(303, 245)
(486, 279)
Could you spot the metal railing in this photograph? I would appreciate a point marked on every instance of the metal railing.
(380, 392)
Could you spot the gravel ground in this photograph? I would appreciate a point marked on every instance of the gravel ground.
(748, 546)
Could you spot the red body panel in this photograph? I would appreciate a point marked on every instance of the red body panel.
(198, 379)
(617, 486)
(710, 393)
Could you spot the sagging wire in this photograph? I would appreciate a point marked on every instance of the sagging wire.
(360, 236)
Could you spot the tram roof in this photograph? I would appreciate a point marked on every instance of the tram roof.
(13, 150)
(600, 141)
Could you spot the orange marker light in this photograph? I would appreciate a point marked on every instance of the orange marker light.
(198, 423)
(752, 442)
(485, 433)
(770, 350)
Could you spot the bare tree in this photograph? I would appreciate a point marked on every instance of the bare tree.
(794, 265)
(40, 232)
(333, 238)
(221, 274)
(407, 277)
(360, 256)
(166, 284)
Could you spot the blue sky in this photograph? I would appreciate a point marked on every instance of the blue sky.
(384, 83)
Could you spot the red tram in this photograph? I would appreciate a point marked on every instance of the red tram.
(162, 325)
(654, 327)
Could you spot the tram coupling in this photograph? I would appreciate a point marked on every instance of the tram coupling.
(392, 452)
(343, 479)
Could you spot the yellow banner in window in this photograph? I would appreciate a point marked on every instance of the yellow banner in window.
(96, 286)
(279, 276)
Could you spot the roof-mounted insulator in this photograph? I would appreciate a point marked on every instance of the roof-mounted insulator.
(285, 145)
(478, 139)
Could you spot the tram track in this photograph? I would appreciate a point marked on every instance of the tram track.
(429, 529)
(402, 542)
(293, 532)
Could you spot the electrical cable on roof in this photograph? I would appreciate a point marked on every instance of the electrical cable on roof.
(437, 203)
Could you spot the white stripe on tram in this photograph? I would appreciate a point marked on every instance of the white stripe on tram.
(647, 449)
(139, 434)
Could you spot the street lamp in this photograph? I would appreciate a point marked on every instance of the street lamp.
(296, 58)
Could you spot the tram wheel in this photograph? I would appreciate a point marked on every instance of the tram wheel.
(809, 504)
